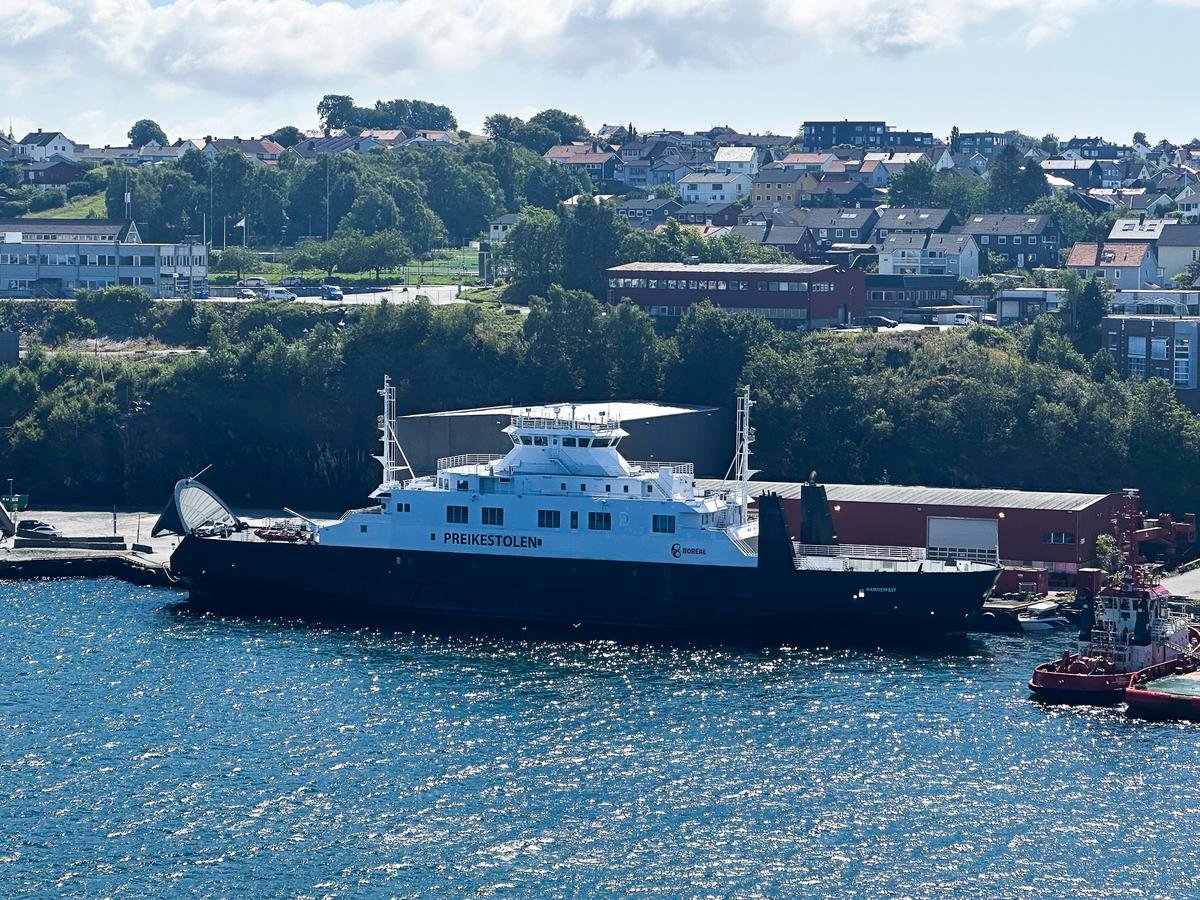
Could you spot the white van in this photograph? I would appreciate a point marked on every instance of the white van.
(278, 293)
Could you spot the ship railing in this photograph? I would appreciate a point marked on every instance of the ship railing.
(677, 468)
(376, 510)
(745, 546)
(859, 551)
(468, 459)
(560, 424)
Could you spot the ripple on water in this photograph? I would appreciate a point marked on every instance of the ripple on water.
(146, 749)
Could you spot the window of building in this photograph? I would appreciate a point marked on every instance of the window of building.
(1058, 537)
(549, 518)
(1158, 348)
(664, 524)
(457, 515)
(599, 521)
(493, 515)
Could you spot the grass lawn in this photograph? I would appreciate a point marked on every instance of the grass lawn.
(90, 206)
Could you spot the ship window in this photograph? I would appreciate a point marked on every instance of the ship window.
(664, 524)
(608, 489)
(563, 486)
(583, 487)
(493, 515)
(574, 519)
(625, 488)
(539, 440)
(583, 442)
(526, 440)
(464, 485)
(403, 507)
(362, 528)
(568, 442)
(600, 521)
(457, 515)
(549, 518)
(601, 442)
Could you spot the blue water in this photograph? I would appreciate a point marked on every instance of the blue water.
(147, 751)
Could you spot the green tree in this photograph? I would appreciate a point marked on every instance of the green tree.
(558, 332)
(591, 240)
(1139, 137)
(1086, 310)
(1012, 186)
(1049, 144)
(383, 250)
(955, 140)
(500, 127)
(713, 347)
(912, 185)
(143, 131)
(235, 259)
(533, 248)
(568, 127)
(535, 137)
(372, 211)
(1072, 219)
(287, 136)
(633, 353)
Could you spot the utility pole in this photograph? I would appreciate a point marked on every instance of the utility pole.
(210, 198)
(327, 196)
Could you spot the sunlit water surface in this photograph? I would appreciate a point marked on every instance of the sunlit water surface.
(146, 750)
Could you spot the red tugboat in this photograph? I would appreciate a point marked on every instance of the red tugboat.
(1128, 627)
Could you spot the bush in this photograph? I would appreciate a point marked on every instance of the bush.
(117, 311)
(78, 189)
(47, 200)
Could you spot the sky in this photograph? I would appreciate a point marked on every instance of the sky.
(90, 68)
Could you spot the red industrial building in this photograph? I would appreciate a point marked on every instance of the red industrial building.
(1051, 531)
(790, 296)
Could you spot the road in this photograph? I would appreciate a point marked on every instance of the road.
(438, 294)
(1185, 585)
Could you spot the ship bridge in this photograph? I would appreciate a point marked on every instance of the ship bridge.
(567, 446)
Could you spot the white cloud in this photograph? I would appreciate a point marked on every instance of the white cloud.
(249, 53)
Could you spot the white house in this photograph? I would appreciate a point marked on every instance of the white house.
(713, 187)
(930, 254)
(39, 146)
(737, 160)
(1178, 248)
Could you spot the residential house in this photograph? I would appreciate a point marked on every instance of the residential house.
(1083, 173)
(719, 214)
(737, 160)
(782, 187)
(842, 225)
(761, 214)
(985, 143)
(714, 187)
(599, 165)
(1142, 229)
(808, 162)
(970, 162)
(911, 220)
(261, 150)
(1157, 347)
(52, 173)
(499, 227)
(929, 254)
(426, 137)
(826, 135)
(793, 239)
(311, 148)
(1177, 249)
(1020, 240)
(127, 156)
(1189, 206)
(1119, 263)
(903, 140)
(892, 162)
(390, 138)
(39, 146)
(649, 212)
(871, 173)
(1161, 154)
(645, 150)
(836, 192)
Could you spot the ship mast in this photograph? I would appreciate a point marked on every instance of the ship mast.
(391, 443)
(745, 437)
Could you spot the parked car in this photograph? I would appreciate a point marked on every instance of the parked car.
(201, 293)
(35, 528)
(247, 294)
(331, 292)
(291, 282)
(252, 282)
(880, 322)
(278, 293)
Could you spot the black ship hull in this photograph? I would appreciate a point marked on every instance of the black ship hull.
(246, 576)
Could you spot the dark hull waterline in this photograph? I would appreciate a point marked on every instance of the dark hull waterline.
(301, 580)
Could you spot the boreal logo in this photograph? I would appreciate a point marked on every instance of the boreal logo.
(676, 551)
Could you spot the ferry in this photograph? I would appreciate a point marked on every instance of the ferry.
(563, 530)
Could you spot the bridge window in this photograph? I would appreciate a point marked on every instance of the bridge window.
(568, 442)
(539, 440)
(493, 515)
(583, 442)
(464, 485)
(600, 521)
(526, 440)
(549, 518)
(457, 515)
(403, 507)
(664, 524)
(574, 519)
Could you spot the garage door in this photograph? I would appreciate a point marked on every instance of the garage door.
(969, 539)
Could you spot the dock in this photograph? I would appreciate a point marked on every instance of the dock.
(41, 562)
